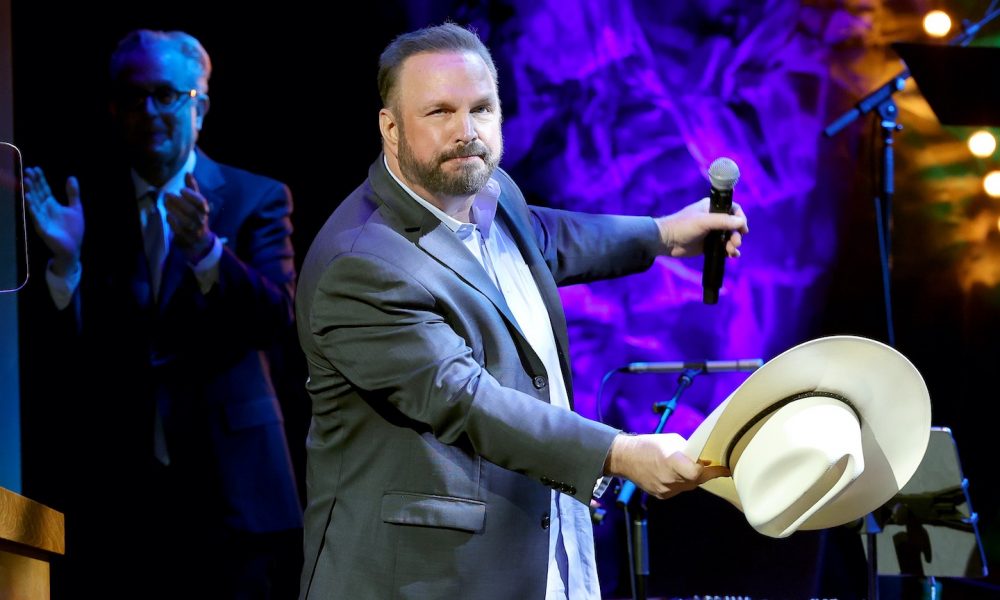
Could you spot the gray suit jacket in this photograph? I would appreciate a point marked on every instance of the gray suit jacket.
(433, 445)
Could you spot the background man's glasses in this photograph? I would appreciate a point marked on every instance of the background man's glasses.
(165, 98)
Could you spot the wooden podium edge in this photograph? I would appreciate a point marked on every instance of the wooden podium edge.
(30, 525)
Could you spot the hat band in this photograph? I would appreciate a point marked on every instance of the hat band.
(774, 407)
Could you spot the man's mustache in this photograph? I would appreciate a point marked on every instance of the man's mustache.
(475, 148)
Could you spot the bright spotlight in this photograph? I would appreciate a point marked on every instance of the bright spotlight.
(982, 143)
(991, 183)
(937, 23)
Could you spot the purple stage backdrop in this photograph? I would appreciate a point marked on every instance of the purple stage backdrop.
(620, 106)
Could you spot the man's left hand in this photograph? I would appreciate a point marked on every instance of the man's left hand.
(683, 233)
(187, 214)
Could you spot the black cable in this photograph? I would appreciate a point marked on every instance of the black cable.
(600, 392)
(631, 554)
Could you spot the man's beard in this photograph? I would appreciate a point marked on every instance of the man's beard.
(470, 178)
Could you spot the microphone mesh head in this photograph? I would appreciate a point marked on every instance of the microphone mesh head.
(723, 173)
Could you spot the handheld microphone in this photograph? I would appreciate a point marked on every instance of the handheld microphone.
(705, 366)
(723, 174)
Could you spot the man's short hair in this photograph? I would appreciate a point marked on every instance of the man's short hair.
(447, 37)
(184, 44)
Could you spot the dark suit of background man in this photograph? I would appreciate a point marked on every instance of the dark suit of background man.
(182, 485)
(443, 458)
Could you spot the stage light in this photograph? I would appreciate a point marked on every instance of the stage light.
(991, 183)
(982, 143)
(937, 23)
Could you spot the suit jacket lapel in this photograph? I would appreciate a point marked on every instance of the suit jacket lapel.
(434, 237)
(525, 240)
(526, 243)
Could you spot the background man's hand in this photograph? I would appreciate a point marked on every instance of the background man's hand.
(187, 214)
(59, 224)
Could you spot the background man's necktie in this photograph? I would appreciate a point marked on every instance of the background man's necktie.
(153, 237)
(154, 242)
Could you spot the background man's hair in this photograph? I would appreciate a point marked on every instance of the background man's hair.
(184, 44)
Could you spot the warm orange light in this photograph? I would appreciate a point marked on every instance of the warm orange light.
(991, 183)
(982, 143)
(937, 23)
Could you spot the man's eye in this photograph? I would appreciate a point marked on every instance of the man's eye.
(165, 96)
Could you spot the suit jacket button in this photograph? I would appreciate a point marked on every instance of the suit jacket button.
(545, 521)
(539, 382)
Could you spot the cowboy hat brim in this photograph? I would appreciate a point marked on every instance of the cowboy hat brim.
(882, 387)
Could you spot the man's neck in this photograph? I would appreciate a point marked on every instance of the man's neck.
(157, 174)
(173, 182)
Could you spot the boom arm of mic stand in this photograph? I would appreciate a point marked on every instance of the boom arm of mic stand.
(868, 103)
(883, 93)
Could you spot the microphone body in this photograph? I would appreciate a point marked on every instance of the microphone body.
(723, 174)
(705, 366)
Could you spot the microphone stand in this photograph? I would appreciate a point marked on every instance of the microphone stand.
(636, 531)
(881, 101)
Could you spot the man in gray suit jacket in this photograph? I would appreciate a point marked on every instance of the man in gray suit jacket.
(444, 460)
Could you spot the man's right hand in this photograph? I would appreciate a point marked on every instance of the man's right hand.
(59, 224)
(657, 464)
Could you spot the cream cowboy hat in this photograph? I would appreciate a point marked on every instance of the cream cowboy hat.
(819, 436)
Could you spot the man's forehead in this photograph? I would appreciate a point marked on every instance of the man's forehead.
(426, 64)
(159, 63)
(435, 72)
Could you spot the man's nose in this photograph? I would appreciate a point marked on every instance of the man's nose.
(467, 129)
(149, 106)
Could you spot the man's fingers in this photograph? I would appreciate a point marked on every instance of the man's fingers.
(189, 202)
(196, 200)
(190, 181)
(738, 212)
(686, 468)
(181, 207)
(733, 244)
(72, 191)
(181, 228)
(43, 186)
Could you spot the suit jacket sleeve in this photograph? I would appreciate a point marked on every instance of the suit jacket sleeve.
(252, 300)
(385, 332)
(581, 247)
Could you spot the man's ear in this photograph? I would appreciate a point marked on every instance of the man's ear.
(201, 104)
(389, 127)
